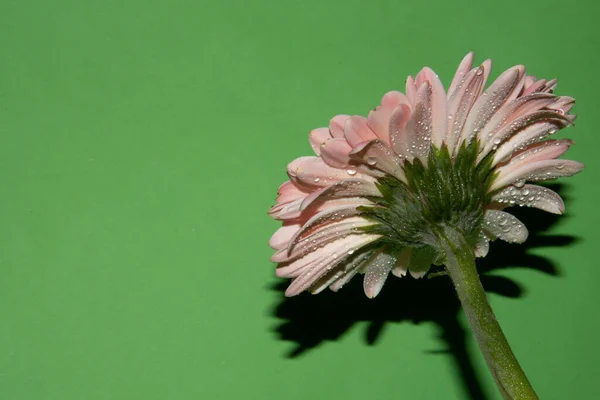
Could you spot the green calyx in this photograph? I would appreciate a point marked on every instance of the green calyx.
(445, 191)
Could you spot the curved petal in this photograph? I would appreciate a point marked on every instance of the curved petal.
(505, 226)
(418, 128)
(563, 104)
(460, 102)
(402, 261)
(329, 216)
(351, 269)
(514, 111)
(398, 136)
(379, 119)
(341, 189)
(482, 247)
(357, 131)
(335, 152)
(437, 110)
(336, 125)
(289, 192)
(528, 136)
(378, 269)
(325, 259)
(411, 90)
(282, 236)
(299, 246)
(531, 196)
(377, 154)
(516, 126)
(463, 68)
(536, 171)
(317, 138)
(314, 172)
(504, 89)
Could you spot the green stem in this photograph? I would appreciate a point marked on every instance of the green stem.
(460, 264)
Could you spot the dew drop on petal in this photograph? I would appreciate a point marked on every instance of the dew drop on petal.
(372, 160)
(351, 172)
(317, 179)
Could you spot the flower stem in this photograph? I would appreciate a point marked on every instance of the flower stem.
(460, 264)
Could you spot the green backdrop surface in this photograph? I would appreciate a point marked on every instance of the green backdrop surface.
(141, 144)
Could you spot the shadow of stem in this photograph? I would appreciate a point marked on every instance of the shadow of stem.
(309, 321)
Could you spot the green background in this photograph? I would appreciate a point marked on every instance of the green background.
(141, 144)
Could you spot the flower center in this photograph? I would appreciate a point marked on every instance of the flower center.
(441, 191)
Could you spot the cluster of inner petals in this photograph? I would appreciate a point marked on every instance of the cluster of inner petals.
(321, 243)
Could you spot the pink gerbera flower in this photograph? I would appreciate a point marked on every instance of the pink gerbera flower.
(423, 180)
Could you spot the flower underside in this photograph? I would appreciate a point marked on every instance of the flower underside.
(381, 189)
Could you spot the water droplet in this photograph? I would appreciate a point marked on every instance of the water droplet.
(560, 165)
(526, 192)
(350, 252)
(520, 183)
(502, 221)
(351, 172)
(372, 160)
(479, 72)
(317, 179)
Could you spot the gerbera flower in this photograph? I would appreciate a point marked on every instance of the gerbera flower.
(425, 180)
(370, 200)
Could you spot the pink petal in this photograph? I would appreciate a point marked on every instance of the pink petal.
(398, 136)
(487, 68)
(514, 117)
(300, 246)
(336, 125)
(379, 119)
(377, 272)
(411, 90)
(314, 172)
(326, 258)
(418, 128)
(401, 267)
(504, 226)
(328, 215)
(317, 137)
(482, 247)
(437, 109)
(536, 171)
(357, 131)
(341, 189)
(563, 104)
(335, 152)
(550, 86)
(351, 269)
(439, 114)
(546, 150)
(290, 192)
(282, 236)
(532, 87)
(530, 135)
(460, 102)
(535, 196)
(462, 70)
(503, 90)
(377, 154)
(286, 211)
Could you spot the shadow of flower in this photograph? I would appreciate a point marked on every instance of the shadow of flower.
(309, 321)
